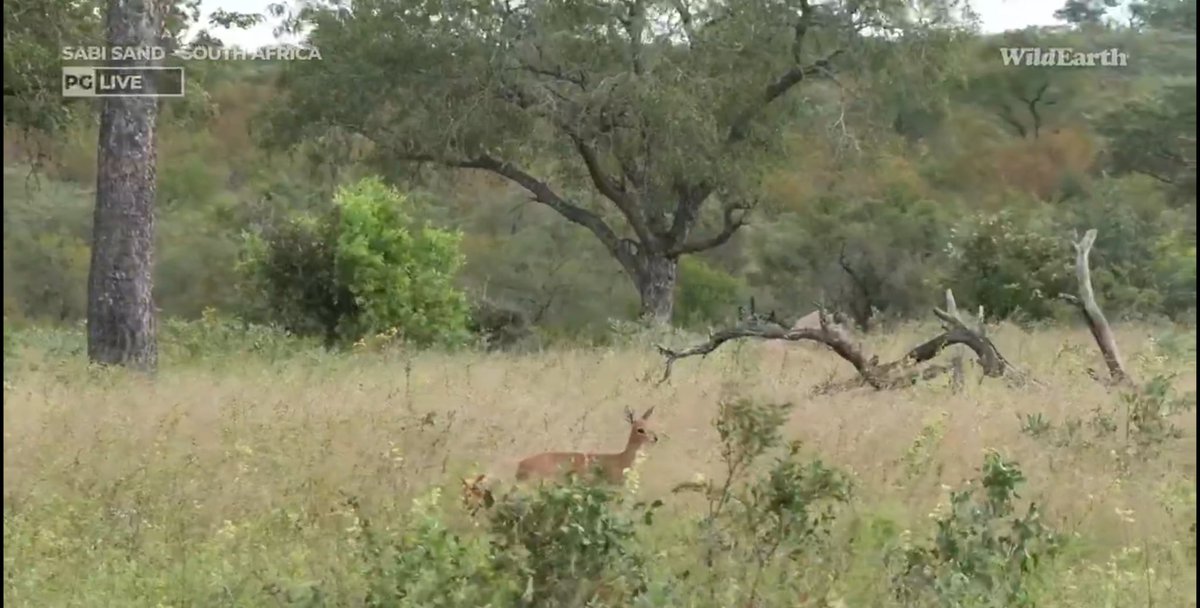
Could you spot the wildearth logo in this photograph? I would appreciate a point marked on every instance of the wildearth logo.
(1062, 57)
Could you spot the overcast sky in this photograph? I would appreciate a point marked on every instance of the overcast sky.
(996, 16)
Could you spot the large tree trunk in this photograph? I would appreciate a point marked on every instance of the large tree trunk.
(121, 316)
(655, 281)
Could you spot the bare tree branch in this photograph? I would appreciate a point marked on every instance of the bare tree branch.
(741, 126)
(1006, 114)
(1032, 104)
(543, 194)
(734, 218)
(784, 83)
(1086, 302)
(625, 201)
(896, 374)
(956, 361)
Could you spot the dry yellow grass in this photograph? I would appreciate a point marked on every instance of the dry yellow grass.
(202, 448)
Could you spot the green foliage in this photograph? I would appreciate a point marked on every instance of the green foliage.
(1155, 136)
(218, 339)
(291, 272)
(983, 552)
(756, 526)
(1085, 12)
(35, 31)
(1029, 101)
(1149, 409)
(1174, 269)
(1011, 263)
(11, 350)
(46, 253)
(1144, 259)
(573, 544)
(863, 218)
(659, 132)
(402, 276)
(863, 255)
(704, 294)
(360, 270)
(427, 564)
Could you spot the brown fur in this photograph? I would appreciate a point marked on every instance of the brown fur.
(476, 494)
(609, 468)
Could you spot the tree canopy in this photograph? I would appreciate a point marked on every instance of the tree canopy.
(667, 112)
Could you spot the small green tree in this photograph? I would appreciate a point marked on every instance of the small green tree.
(402, 276)
(361, 268)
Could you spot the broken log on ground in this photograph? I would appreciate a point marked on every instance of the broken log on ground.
(907, 370)
(894, 374)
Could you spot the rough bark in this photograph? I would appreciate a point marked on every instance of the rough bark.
(1097, 323)
(121, 315)
(655, 279)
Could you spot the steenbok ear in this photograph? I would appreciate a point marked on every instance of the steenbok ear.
(629, 415)
(648, 412)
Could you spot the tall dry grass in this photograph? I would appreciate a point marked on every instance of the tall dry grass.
(221, 476)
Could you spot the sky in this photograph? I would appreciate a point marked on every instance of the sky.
(996, 16)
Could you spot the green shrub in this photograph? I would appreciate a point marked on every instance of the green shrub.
(427, 564)
(571, 544)
(361, 269)
(401, 275)
(555, 545)
(759, 528)
(1143, 262)
(704, 294)
(293, 278)
(982, 553)
(1014, 262)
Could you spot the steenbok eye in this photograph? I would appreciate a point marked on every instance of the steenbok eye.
(642, 431)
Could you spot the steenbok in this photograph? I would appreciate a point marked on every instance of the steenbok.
(607, 467)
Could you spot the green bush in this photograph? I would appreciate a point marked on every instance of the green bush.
(760, 527)
(1174, 270)
(704, 294)
(573, 544)
(1013, 263)
(361, 269)
(864, 256)
(427, 564)
(401, 275)
(554, 545)
(983, 553)
(1143, 262)
(293, 280)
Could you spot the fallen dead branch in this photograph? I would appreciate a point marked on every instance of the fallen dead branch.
(907, 369)
(831, 333)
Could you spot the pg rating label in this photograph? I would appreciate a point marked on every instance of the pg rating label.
(140, 81)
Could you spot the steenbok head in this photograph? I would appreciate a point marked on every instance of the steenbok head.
(639, 430)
